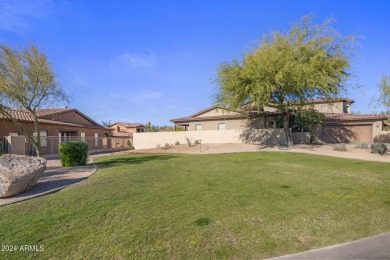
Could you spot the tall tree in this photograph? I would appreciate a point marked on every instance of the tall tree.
(27, 82)
(384, 92)
(286, 70)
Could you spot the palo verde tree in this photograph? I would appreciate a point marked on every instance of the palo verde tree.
(286, 70)
(27, 82)
(384, 92)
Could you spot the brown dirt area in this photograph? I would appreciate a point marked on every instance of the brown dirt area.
(352, 152)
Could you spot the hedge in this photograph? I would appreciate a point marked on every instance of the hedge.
(73, 153)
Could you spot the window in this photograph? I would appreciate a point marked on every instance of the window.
(221, 126)
(96, 139)
(43, 137)
(82, 135)
(198, 127)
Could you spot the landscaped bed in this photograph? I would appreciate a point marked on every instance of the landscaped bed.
(239, 205)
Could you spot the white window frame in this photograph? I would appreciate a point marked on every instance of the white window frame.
(221, 124)
(198, 127)
(96, 139)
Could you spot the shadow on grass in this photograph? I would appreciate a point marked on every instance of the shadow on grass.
(133, 160)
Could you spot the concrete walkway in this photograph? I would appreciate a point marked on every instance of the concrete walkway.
(376, 247)
(54, 179)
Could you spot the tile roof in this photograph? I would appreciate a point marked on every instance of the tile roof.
(219, 117)
(128, 125)
(24, 116)
(352, 117)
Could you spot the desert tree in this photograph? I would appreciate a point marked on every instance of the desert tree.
(384, 92)
(27, 82)
(287, 70)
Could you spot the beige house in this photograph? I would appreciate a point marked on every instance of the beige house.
(122, 129)
(56, 125)
(339, 124)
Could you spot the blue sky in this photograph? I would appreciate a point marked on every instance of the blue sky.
(139, 61)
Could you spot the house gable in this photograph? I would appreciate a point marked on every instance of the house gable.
(68, 115)
(215, 111)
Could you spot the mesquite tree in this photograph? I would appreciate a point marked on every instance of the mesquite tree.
(286, 70)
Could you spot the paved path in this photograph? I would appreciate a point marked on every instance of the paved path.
(376, 247)
(54, 179)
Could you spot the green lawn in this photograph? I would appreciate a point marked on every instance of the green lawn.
(173, 206)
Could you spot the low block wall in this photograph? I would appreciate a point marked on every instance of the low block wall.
(258, 136)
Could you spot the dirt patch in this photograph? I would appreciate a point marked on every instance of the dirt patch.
(352, 152)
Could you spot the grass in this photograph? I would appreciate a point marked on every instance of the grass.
(245, 205)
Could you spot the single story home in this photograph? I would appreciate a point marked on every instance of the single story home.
(56, 125)
(339, 125)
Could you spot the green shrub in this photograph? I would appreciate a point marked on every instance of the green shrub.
(383, 138)
(361, 145)
(177, 143)
(340, 147)
(73, 153)
(379, 148)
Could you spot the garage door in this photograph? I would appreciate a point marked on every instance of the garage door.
(347, 133)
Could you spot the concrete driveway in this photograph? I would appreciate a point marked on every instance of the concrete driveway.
(376, 247)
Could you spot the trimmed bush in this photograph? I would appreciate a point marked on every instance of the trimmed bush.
(177, 143)
(383, 138)
(340, 147)
(196, 142)
(379, 148)
(73, 153)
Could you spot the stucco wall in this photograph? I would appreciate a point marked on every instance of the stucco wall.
(377, 128)
(213, 125)
(267, 136)
(336, 107)
(233, 124)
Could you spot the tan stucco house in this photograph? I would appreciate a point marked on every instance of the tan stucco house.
(339, 125)
(122, 129)
(56, 125)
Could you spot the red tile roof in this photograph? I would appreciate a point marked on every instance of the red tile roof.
(24, 116)
(352, 117)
